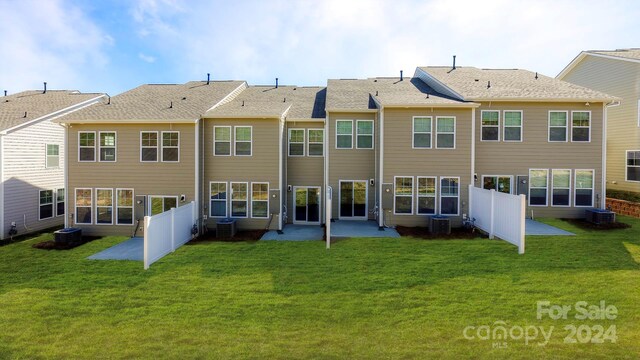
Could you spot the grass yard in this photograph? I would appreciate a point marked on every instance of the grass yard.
(364, 298)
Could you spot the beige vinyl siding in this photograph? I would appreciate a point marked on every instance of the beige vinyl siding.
(146, 178)
(352, 164)
(535, 152)
(261, 166)
(25, 174)
(401, 160)
(622, 79)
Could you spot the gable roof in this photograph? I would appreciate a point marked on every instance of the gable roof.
(21, 108)
(631, 55)
(474, 84)
(158, 103)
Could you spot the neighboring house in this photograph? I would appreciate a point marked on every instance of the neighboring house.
(615, 72)
(32, 158)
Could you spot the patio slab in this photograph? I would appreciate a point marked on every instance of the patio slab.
(293, 232)
(349, 229)
(533, 227)
(132, 249)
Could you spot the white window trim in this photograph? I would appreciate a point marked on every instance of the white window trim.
(95, 142)
(336, 140)
(626, 166)
(132, 207)
(95, 201)
(373, 131)
(553, 187)
(246, 201)
(409, 196)
(267, 201)
(455, 125)
(162, 147)
(235, 142)
(504, 125)
(56, 202)
(218, 141)
(546, 199)
(497, 182)
(46, 156)
(449, 196)
(638, 112)
(309, 142)
(581, 127)
(593, 187)
(150, 147)
(418, 196)
(489, 126)
(413, 132)
(150, 198)
(304, 134)
(226, 201)
(115, 146)
(75, 204)
(53, 203)
(566, 127)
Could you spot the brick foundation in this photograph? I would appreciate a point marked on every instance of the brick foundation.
(624, 207)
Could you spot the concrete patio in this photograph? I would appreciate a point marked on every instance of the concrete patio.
(294, 232)
(533, 227)
(348, 229)
(132, 249)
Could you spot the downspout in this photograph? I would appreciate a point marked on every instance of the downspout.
(603, 197)
(381, 169)
(66, 157)
(281, 170)
(473, 155)
(197, 174)
(1, 186)
(202, 180)
(327, 221)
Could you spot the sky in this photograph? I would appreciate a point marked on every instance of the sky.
(113, 46)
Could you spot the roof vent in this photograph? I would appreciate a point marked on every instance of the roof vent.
(109, 100)
(184, 98)
(171, 105)
(427, 96)
(25, 115)
(376, 92)
(276, 83)
(454, 62)
(488, 84)
(45, 88)
(536, 75)
(208, 78)
(5, 93)
(242, 102)
(401, 78)
(284, 100)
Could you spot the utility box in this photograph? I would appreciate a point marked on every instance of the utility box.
(600, 216)
(226, 228)
(274, 201)
(439, 225)
(387, 196)
(68, 236)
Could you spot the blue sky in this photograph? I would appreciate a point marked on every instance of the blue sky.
(113, 46)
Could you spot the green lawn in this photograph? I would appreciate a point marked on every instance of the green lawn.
(364, 298)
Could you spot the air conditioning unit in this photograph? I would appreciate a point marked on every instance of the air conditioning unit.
(226, 228)
(440, 225)
(68, 236)
(600, 216)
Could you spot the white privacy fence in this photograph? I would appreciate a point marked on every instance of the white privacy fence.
(499, 214)
(165, 232)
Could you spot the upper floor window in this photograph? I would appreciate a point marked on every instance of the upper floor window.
(296, 142)
(344, 134)
(46, 204)
(53, 156)
(364, 134)
(490, 121)
(580, 126)
(222, 140)
(558, 126)
(633, 165)
(316, 142)
(445, 132)
(170, 146)
(422, 132)
(87, 146)
(149, 146)
(242, 143)
(512, 125)
(107, 146)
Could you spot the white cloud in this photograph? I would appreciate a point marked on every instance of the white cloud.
(146, 58)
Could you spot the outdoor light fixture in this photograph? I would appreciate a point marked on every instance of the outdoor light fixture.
(289, 188)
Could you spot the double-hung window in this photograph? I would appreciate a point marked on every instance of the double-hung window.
(107, 146)
(218, 199)
(344, 134)
(364, 134)
(558, 126)
(583, 188)
(538, 185)
(124, 206)
(84, 206)
(239, 199)
(296, 142)
(259, 200)
(561, 187)
(422, 132)
(243, 138)
(148, 146)
(403, 193)
(633, 165)
(53, 156)
(170, 146)
(512, 125)
(426, 195)
(104, 206)
(46, 204)
(60, 203)
(501, 183)
(222, 140)
(445, 132)
(86, 146)
(580, 126)
(490, 121)
(449, 195)
(316, 142)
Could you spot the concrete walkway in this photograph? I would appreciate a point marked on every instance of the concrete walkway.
(132, 249)
(533, 227)
(294, 232)
(348, 229)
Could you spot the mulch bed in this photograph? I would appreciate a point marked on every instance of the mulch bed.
(583, 224)
(423, 233)
(243, 235)
(52, 245)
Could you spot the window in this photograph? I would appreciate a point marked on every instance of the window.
(426, 195)
(364, 134)
(239, 200)
(86, 146)
(633, 165)
(445, 132)
(46, 204)
(104, 206)
(260, 200)
(84, 205)
(124, 206)
(557, 126)
(490, 125)
(160, 204)
(344, 134)
(170, 146)
(296, 142)
(580, 126)
(218, 197)
(107, 146)
(60, 203)
(560, 187)
(316, 142)
(538, 187)
(501, 183)
(403, 191)
(512, 125)
(449, 195)
(149, 146)
(53, 156)
(422, 132)
(243, 140)
(222, 140)
(584, 188)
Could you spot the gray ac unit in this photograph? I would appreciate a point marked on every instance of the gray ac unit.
(226, 228)
(439, 224)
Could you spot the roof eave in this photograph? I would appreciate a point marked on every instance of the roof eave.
(131, 121)
(339, 110)
(464, 105)
(603, 100)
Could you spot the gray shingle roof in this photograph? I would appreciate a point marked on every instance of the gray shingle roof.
(633, 54)
(510, 84)
(155, 102)
(36, 104)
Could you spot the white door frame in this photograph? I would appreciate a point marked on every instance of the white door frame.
(306, 222)
(366, 201)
